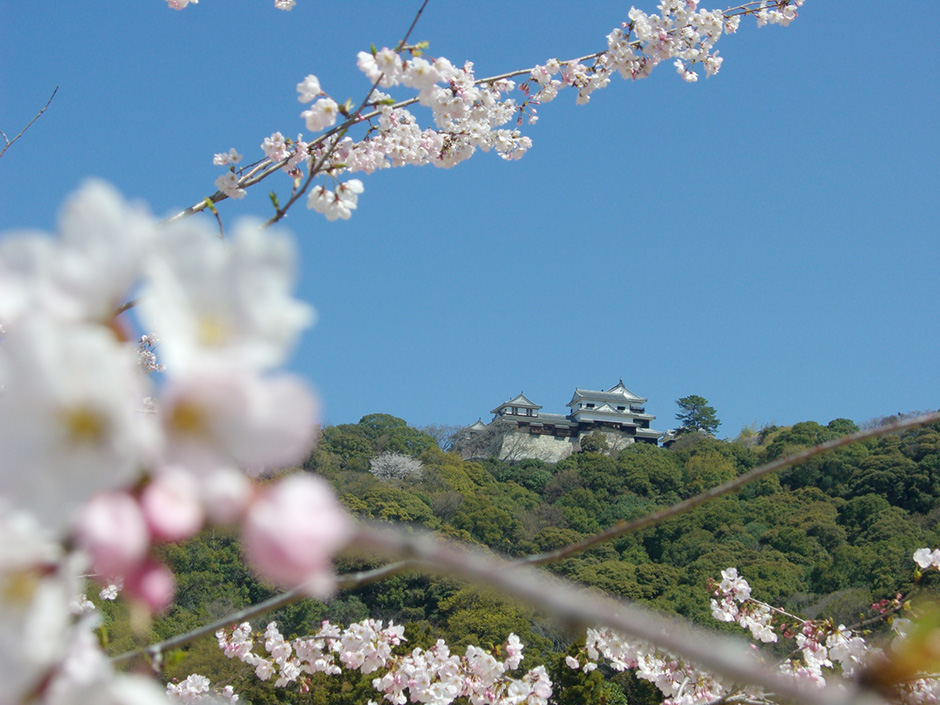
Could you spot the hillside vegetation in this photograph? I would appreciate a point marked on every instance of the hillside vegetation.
(825, 538)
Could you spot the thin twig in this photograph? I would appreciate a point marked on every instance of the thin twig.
(9, 143)
(343, 582)
(661, 515)
(315, 170)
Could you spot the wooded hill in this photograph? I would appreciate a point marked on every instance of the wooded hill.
(827, 538)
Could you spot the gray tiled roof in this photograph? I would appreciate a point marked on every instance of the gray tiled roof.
(521, 401)
(618, 394)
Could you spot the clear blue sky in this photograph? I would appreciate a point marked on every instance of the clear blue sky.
(767, 238)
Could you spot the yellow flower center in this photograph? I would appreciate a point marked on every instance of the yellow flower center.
(18, 587)
(84, 425)
(212, 331)
(188, 418)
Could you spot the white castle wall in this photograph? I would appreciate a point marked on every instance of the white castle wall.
(520, 445)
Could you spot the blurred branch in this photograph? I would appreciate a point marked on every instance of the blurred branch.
(659, 516)
(575, 605)
(580, 608)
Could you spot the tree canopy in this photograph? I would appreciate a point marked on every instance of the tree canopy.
(696, 415)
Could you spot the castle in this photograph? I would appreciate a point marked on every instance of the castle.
(519, 430)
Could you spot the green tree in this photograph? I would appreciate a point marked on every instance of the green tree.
(696, 415)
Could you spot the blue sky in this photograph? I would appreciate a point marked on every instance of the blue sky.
(767, 238)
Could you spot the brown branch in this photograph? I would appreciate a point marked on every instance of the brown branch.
(313, 171)
(627, 527)
(356, 117)
(9, 142)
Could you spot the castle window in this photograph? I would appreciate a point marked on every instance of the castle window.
(590, 406)
(621, 408)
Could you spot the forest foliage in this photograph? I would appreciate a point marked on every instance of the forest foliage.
(825, 538)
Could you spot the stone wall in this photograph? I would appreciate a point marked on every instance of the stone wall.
(507, 442)
(520, 445)
(616, 440)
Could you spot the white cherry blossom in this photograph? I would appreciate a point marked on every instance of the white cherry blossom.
(208, 299)
(70, 424)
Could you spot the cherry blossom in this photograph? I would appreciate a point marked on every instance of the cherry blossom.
(70, 424)
(210, 300)
(172, 506)
(98, 231)
(112, 528)
(196, 689)
(228, 184)
(275, 147)
(36, 593)
(926, 559)
(321, 114)
(227, 414)
(308, 89)
(292, 529)
(226, 158)
(435, 675)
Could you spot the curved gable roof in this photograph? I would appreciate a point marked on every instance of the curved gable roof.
(618, 394)
(521, 401)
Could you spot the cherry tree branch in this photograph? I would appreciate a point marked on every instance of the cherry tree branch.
(338, 135)
(266, 167)
(9, 142)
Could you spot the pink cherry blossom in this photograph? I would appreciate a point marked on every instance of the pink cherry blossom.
(228, 184)
(291, 531)
(224, 415)
(308, 89)
(113, 530)
(211, 300)
(152, 584)
(171, 505)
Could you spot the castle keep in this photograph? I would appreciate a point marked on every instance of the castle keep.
(520, 430)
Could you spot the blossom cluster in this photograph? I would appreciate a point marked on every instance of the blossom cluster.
(681, 682)
(822, 648)
(197, 690)
(433, 676)
(48, 652)
(819, 643)
(731, 602)
(100, 459)
(470, 113)
(390, 465)
(287, 5)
